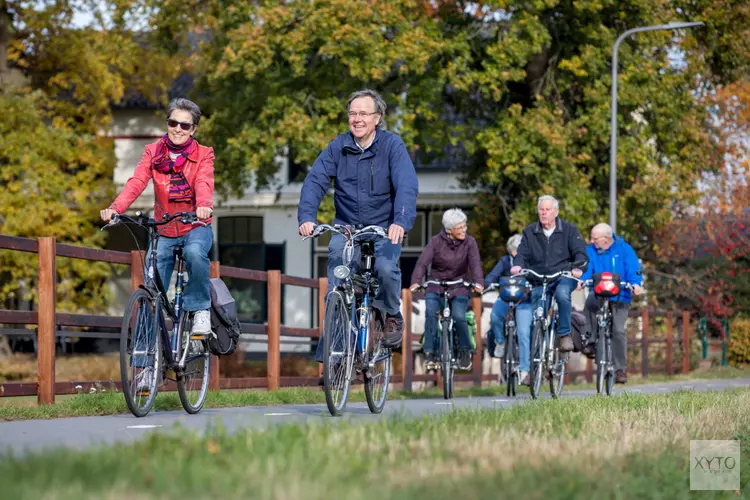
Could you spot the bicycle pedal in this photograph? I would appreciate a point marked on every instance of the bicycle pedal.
(198, 337)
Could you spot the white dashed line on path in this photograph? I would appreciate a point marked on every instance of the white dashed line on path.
(143, 426)
(276, 414)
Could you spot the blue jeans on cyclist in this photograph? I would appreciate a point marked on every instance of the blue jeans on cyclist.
(433, 304)
(195, 245)
(562, 290)
(523, 329)
(387, 272)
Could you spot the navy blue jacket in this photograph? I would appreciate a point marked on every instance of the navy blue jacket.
(620, 258)
(501, 269)
(548, 256)
(375, 187)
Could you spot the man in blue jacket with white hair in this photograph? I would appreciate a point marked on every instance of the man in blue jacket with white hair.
(374, 183)
(608, 253)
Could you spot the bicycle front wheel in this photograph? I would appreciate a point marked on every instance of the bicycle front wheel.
(510, 362)
(140, 353)
(192, 383)
(378, 374)
(538, 348)
(447, 360)
(557, 372)
(339, 357)
(610, 377)
(601, 363)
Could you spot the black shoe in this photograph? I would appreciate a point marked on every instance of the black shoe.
(394, 329)
(464, 360)
(589, 351)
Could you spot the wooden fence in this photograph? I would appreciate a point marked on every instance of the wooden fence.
(48, 319)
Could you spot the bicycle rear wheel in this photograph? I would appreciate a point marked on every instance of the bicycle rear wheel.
(447, 360)
(538, 349)
(378, 374)
(140, 353)
(192, 384)
(339, 357)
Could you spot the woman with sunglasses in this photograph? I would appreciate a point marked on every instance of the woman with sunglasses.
(183, 175)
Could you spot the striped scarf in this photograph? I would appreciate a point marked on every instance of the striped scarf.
(179, 189)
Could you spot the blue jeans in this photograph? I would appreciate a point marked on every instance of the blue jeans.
(197, 294)
(387, 273)
(523, 329)
(195, 247)
(562, 290)
(433, 304)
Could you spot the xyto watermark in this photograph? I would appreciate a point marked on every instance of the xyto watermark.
(714, 465)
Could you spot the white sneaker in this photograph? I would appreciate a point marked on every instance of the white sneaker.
(201, 323)
(499, 350)
(144, 380)
(523, 376)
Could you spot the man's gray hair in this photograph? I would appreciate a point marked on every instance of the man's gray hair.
(185, 105)
(513, 243)
(380, 106)
(603, 229)
(547, 197)
(453, 217)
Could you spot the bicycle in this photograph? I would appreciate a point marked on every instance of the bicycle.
(514, 291)
(605, 287)
(545, 354)
(448, 340)
(147, 350)
(350, 346)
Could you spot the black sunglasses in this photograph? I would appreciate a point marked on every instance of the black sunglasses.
(184, 126)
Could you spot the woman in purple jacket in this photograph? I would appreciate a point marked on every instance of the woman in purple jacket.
(450, 255)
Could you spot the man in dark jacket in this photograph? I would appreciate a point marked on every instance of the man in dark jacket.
(549, 246)
(451, 255)
(374, 183)
(610, 253)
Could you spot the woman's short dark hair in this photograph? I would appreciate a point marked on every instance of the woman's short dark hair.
(185, 105)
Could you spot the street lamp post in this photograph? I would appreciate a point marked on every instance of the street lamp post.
(613, 124)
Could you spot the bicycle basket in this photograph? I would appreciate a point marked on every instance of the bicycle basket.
(607, 284)
(513, 289)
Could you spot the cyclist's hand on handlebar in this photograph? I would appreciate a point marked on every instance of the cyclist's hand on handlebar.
(577, 273)
(395, 234)
(203, 212)
(478, 288)
(515, 269)
(637, 289)
(107, 214)
(306, 229)
(415, 287)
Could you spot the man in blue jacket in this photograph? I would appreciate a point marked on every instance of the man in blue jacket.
(374, 183)
(608, 253)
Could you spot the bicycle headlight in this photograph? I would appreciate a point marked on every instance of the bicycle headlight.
(446, 312)
(341, 272)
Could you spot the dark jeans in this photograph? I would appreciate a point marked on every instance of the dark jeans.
(562, 291)
(433, 304)
(619, 336)
(387, 272)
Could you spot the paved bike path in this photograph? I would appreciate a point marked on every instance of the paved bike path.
(22, 436)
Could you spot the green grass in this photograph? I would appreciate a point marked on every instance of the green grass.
(112, 403)
(627, 446)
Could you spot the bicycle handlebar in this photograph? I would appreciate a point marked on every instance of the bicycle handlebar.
(559, 274)
(141, 220)
(345, 231)
(467, 284)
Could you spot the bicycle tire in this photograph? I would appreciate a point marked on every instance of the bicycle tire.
(601, 363)
(199, 354)
(143, 306)
(447, 361)
(509, 363)
(610, 379)
(376, 400)
(557, 373)
(337, 341)
(538, 347)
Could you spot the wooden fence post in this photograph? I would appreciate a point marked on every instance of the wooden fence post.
(46, 321)
(477, 363)
(215, 369)
(322, 292)
(406, 354)
(136, 269)
(644, 345)
(669, 342)
(685, 342)
(274, 329)
(590, 368)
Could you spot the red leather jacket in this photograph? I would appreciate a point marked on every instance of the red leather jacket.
(199, 171)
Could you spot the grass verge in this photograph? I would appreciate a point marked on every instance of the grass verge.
(628, 446)
(113, 403)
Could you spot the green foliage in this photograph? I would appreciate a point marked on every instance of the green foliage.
(738, 353)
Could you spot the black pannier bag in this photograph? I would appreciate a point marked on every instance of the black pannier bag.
(225, 326)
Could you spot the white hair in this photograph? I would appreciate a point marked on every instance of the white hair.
(453, 217)
(513, 243)
(547, 197)
(603, 229)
